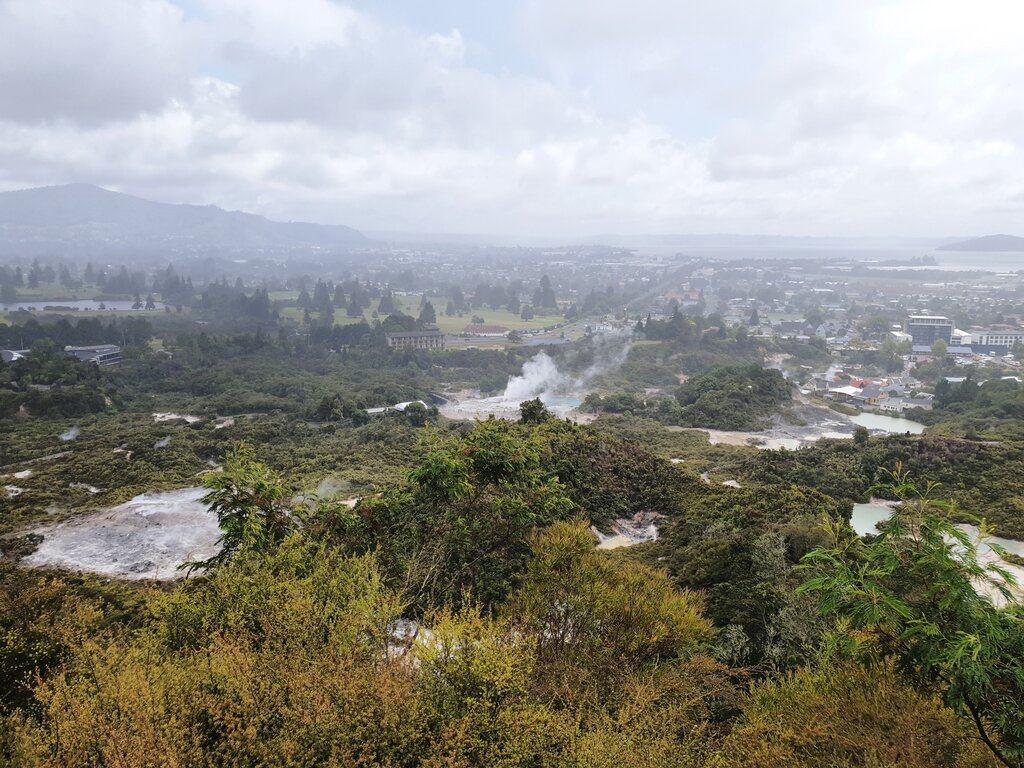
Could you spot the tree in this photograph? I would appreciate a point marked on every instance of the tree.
(533, 412)
(249, 500)
(387, 303)
(544, 296)
(845, 716)
(416, 414)
(458, 299)
(940, 348)
(921, 593)
(588, 617)
(428, 316)
(462, 522)
(526, 313)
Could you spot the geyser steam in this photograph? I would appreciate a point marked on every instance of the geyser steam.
(540, 377)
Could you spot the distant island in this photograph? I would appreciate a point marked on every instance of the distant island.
(988, 243)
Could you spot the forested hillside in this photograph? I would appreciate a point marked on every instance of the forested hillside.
(462, 616)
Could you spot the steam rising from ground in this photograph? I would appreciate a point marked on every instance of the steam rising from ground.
(541, 378)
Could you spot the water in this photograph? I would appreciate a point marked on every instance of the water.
(866, 517)
(948, 261)
(78, 305)
(890, 424)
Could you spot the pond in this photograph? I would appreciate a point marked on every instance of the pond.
(866, 518)
(891, 424)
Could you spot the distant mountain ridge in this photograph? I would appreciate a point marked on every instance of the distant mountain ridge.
(1004, 243)
(83, 214)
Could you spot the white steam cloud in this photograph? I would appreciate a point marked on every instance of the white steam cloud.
(541, 377)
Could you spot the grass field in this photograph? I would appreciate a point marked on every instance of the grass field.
(53, 291)
(410, 305)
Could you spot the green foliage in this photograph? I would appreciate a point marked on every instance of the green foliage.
(984, 478)
(289, 658)
(249, 500)
(741, 547)
(739, 397)
(846, 716)
(589, 616)
(725, 397)
(462, 521)
(533, 412)
(44, 619)
(921, 593)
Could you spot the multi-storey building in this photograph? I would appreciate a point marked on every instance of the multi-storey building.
(927, 329)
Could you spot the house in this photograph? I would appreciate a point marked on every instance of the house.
(871, 394)
(845, 394)
(902, 404)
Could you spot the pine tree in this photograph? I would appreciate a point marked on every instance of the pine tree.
(427, 314)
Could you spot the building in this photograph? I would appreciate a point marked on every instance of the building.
(10, 355)
(400, 407)
(924, 351)
(429, 338)
(101, 354)
(925, 330)
(998, 341)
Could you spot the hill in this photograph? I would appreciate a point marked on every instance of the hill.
(85, 215)
(987, 243)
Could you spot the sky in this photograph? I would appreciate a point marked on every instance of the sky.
(538, 117)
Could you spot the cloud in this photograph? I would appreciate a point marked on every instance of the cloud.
(90, 62)
(895, 116)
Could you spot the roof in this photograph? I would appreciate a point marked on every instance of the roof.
(950, 349)
(414, 334)
(98, 349)
(10, 355)
(846, 390)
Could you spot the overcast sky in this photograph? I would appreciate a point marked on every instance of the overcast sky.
(565, 117)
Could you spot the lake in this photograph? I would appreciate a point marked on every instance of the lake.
(78, 304)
